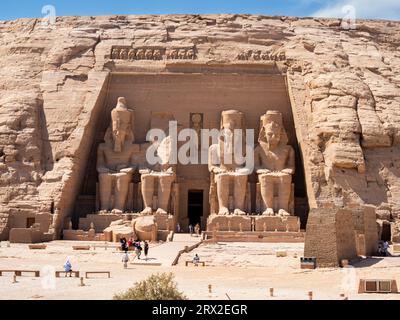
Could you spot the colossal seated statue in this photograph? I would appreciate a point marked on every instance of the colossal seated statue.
(225, 171)
(116, 159)
(162, 173)
(274, 163)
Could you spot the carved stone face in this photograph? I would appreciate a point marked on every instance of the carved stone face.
(232, 121)
(272, 133)
(121, 121)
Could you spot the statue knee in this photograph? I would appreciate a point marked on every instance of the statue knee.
(265, 179)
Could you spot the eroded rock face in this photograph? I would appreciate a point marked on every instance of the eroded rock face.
(344, 88)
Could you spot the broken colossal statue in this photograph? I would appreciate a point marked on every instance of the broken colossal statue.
(226, 172)
(159, 176)
(115, 159)
(274, 162)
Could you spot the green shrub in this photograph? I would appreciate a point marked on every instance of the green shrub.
(156, 287)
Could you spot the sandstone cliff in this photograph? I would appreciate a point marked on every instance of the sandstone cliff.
(344, 87)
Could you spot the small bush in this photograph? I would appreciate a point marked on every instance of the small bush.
(156, 287)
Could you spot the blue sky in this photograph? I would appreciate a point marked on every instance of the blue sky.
(380, 9)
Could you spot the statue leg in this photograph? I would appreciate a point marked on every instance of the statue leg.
(223, 193)
(164, 192)
(121, 191)
(284, 194)
(147, 193)
(267, 193)
(105, 185)
(240, 194)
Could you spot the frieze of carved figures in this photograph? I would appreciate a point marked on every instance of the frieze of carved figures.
(258, 55)
(129, 53)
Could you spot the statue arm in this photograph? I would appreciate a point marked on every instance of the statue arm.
(101, 162)
(290, 164)
(258, 166)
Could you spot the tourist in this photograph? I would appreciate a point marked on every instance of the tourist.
(146, 249)
(385, 248)
(125, 259)
(130, 242)
(196, 260)
(68, 268)
(123, 243)
(380, 248)
(178, 228)
(138, 249)
(190, 229)
(197, 229)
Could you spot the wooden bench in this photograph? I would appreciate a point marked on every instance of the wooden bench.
(19, 273)
(377, 286)
(37, 246)
(105, 246)
(108, 273)
(81, 247)
(199, 262)
(74, 273)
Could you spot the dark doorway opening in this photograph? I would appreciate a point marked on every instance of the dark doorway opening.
(195, 206)
(386, 232)
(30, 222)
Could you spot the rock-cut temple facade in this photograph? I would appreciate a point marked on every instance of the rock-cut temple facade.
(79, 97)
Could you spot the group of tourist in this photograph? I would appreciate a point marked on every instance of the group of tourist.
(137, 245)
(195, 229)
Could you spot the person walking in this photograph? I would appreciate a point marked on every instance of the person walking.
(68, 268)
(191, 229)
(197, 229)
(130, 242)
(123, 244)
(138, 249)
(146, 249)
(178, 228)
(125, 259)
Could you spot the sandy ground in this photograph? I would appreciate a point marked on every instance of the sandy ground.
(235, 270)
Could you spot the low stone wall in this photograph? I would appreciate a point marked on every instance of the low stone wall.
(254, 236)
(100, 221)
(80, 235)
(229, 223)
(264, 223)
(29, 235)
(257, 223)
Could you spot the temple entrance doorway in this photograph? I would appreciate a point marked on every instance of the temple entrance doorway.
(386, 232)
(195, 206)
(30, 222)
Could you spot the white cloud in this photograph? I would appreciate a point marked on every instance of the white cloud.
(364, 9)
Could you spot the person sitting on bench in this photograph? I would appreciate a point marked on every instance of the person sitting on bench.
(196, 260)
(68, 268)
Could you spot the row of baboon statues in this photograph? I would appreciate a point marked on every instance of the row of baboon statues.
(152, 54)
(274, 163)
